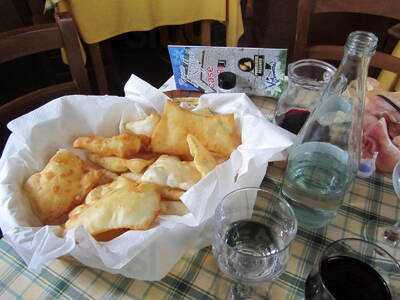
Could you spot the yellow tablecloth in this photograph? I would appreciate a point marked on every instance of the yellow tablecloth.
(99, 20)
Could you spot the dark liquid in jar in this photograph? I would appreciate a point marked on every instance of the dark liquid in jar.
(293, 119)
(346, 278)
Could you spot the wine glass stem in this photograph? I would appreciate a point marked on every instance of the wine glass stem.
(241, 292)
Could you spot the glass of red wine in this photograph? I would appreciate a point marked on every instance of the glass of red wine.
(307, 79)
(354, 269)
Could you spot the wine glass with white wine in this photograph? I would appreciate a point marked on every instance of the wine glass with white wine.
(253, 231)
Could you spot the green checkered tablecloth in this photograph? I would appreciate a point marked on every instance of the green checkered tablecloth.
(196, 275)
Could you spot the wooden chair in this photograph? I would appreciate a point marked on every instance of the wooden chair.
(394, 31)
(35, 39)
(385, 8)
(37, 10)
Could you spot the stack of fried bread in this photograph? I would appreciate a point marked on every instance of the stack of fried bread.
(132, 178)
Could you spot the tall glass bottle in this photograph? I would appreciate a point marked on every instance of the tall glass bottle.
(324, 161)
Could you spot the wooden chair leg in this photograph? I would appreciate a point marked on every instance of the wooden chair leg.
(164, 36)
(112, 66)
(180, 36)
(189, 33)
(206, 33)
(98, 67)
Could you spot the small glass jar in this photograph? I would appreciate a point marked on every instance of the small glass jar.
(307, 80)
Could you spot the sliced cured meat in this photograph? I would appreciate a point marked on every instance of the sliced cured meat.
(377, 138)
(369, 121)
(369, 147)
(376, 106)
(396, 141)
(393, 123)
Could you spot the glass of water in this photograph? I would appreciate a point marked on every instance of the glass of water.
(252, 233)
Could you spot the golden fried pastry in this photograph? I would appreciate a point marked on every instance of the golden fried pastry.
(176, 208)
(217, 133)
(166, 192)
(137, 165)
(171, 171)
(202, 158)
(122, 204)
(204, 112)
(170, 194)
(109, 235)
(119, 165)
(145, 126)
(136, 177)
(124, 145)
(219, 159)
(190, 100)
(93, 195)
(61, 185)
(112, 163)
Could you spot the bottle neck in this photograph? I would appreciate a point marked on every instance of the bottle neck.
(353, 70)
(354, 66)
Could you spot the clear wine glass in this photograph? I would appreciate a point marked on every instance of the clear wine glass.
(387, 233)
(252, 233)
(353, 269)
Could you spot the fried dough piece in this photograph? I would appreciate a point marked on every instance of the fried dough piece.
(173, 208)
(112, 163)
(110, 235)
(191, 100)
(122, 204)
(218, 159)
(137, 165)
(120, 165)
(205, 112)
(136, 177)
(217, 133)
(170, 194)
(145, 126)
(62, 185)
(93, 195)
(171, 171)
(202, 158)
(167, 193)
(124, 145)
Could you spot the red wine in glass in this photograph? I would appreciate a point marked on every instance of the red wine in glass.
(293, 119)
(345, 278)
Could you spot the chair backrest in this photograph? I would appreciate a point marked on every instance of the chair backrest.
(36, 6)
(37, 10)
(36, 39)
(40, 38)
(385, 8)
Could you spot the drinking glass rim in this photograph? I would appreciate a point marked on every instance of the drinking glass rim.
(395, 179)
(306, 82)
(275, 195)
(349, 239)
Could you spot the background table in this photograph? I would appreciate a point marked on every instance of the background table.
(196, 275)
(99, 20)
